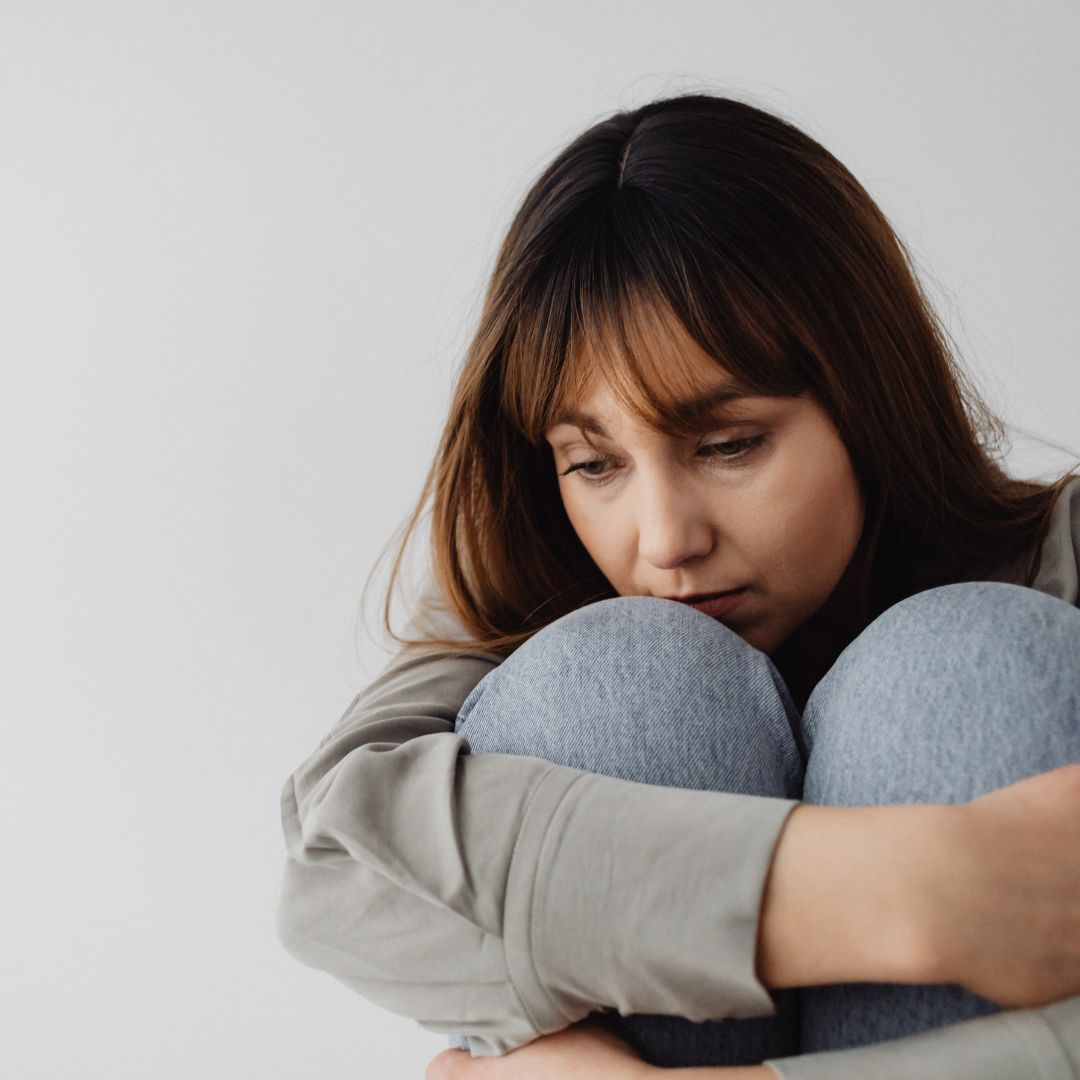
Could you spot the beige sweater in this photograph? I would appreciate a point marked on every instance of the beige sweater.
(457, 888)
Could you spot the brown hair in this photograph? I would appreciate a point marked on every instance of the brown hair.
(777, 262)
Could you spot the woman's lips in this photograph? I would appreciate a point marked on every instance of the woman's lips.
(718, 605)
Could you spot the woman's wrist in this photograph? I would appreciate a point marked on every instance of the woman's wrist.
(845, 897)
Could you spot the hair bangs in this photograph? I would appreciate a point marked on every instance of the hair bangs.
(632, 303)
(651, 342)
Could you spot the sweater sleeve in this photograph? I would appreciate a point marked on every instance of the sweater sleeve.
(503, 897)
(1016, 1044)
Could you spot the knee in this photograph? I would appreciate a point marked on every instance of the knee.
(972, 685)
(1001, 615)
(626, 683)
(641, 655)
(1005, 630)
(627, 644)
(995, 638)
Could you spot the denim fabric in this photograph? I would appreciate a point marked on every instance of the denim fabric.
(950, 693)
(947, 695)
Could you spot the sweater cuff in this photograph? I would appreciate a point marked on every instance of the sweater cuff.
(1004, 1046)
(641, 898)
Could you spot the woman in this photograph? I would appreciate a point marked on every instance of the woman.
(831, 812)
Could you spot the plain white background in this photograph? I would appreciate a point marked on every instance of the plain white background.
(242, 247)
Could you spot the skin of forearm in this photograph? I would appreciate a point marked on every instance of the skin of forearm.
(840, 901)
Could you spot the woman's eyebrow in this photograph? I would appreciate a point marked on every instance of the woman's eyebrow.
(691, 410)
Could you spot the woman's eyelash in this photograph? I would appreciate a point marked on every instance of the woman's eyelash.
(741, 446)
(732, 450)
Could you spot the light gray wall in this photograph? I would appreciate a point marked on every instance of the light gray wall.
(242, 246)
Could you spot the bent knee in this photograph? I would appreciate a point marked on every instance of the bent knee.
(625, 640)
(994, 637)
(645, 688)
(992, 610)
(951, 692)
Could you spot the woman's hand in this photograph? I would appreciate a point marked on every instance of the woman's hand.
(1006, 897)
(585, 1051)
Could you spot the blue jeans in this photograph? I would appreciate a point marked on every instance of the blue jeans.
(949, 694)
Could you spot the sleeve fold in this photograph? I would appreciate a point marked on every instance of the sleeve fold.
(1015, 1044)
(503, 897)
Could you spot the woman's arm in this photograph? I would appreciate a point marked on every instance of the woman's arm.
(985, 894)
(586, 1051)
(497, 896)
(1015, 1045)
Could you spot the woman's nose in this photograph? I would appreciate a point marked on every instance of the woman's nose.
(673, 526)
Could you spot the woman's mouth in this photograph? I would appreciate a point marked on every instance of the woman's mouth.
(713, 604)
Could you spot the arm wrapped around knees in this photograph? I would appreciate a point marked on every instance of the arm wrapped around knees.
(505, 897)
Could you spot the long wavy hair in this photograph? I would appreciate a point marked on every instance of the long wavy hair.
(765, 249)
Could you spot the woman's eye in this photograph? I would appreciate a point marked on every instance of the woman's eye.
(737, 448)
(584, 466)
(732, 450)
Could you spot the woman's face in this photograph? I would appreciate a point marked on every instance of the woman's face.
(765, 499)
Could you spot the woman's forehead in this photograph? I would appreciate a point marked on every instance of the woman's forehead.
(705, 397)
(639, 360)
(602, 408)
(651, 368)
